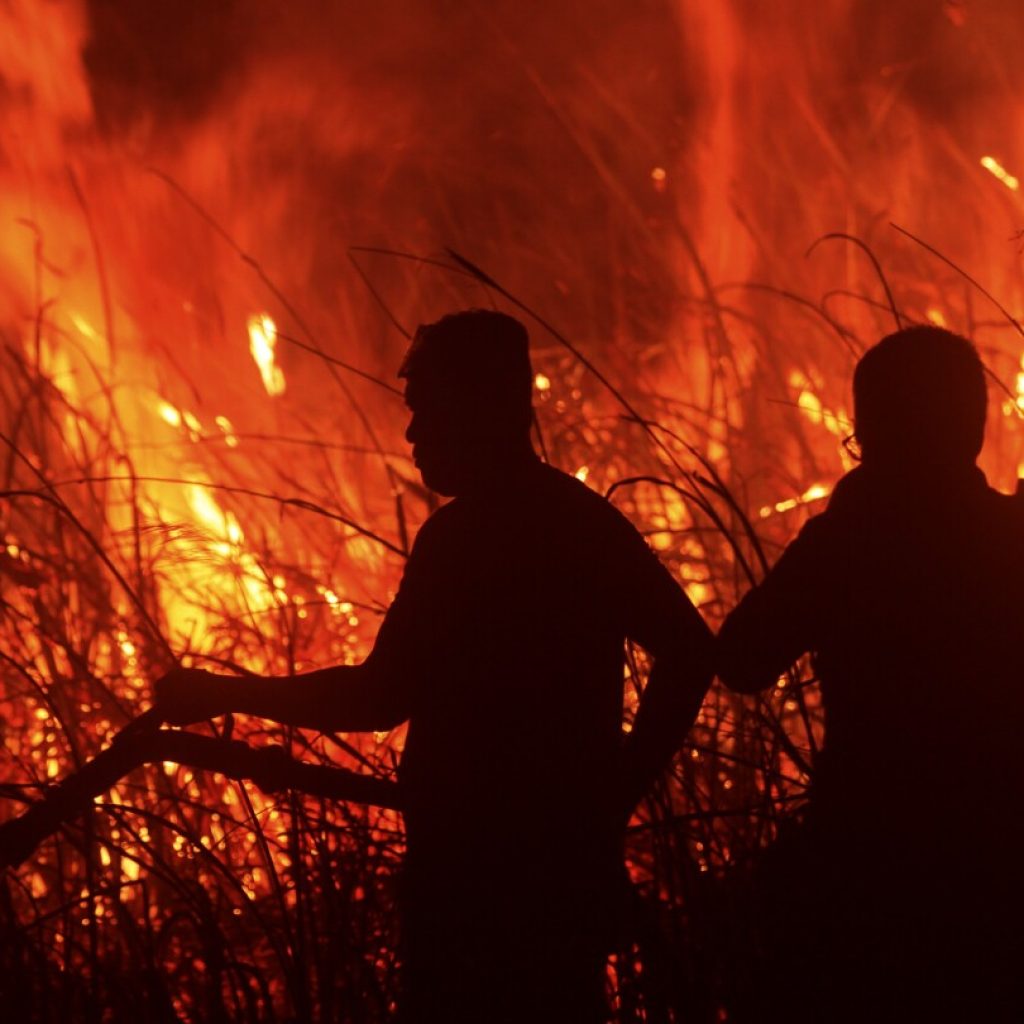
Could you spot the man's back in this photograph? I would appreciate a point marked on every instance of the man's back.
(514, 609)
(907, 590)
(510, 626)
(909, 594)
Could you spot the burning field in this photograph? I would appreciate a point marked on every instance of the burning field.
(220, 224)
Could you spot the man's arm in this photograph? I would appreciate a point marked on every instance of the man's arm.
(754, 644)
(374, 696)
(671, 700)
(660, 617)
(777, 621)
(344, 698)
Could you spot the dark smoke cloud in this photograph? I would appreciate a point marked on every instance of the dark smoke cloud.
(162, 60)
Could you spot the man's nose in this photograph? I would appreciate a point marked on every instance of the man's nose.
(410, 431)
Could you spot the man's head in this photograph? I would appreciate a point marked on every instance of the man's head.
(469, 389)
(919, 400)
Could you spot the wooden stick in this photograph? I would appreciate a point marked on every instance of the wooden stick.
(139, 743)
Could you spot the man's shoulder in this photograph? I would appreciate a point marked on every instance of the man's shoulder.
(1006, 510)
(550, 501)
(566, 486)
(1016, 500)
(442, 528)
(566, 495)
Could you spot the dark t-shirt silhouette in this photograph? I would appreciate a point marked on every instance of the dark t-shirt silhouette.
(906, 875)
(507, 635)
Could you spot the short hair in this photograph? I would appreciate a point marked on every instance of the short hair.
(920, 393)
(481, 354)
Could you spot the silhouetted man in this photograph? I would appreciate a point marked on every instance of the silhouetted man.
(899, 896)
(504, 650)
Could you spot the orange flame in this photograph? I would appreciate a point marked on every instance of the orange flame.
(262, 342)
(997, 170)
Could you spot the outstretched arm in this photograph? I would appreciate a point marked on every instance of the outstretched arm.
(376, 695)
(778, 621)
(344, 698)
(755, 645)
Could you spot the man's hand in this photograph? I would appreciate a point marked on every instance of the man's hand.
(187, 695)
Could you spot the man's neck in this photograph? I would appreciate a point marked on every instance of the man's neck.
(504, 472)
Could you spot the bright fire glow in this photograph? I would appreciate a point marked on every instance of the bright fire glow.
(811, 405)
(813, 493)
(262, 342)
(169, 414)
(115, 294)
(228, 430)
(212, 515)
(996, 169)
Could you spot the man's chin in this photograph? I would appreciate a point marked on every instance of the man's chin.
(438, 482)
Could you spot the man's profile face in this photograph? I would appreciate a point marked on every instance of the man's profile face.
(446, 443)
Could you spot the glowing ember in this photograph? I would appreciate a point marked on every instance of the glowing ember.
(84, 327)
(814, 493)
(995, 168)
(228, 431)
(169, 414)
(262, 342)
(811, 405)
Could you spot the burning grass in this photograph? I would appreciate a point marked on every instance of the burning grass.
(168, 495)
(183, 895)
